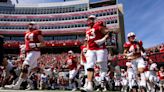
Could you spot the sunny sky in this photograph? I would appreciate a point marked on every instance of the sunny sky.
(144, 17)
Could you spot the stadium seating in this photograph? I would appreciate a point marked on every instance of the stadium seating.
(56, 43)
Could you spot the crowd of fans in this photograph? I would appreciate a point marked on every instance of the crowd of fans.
(156, 49)
(56, 43)
(56, 74)
(57, 61)
(52, 43)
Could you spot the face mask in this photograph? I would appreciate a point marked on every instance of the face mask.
(132, 40)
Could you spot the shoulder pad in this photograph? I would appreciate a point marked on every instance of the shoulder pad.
(99, 23)
(38, 32)
(127, 45)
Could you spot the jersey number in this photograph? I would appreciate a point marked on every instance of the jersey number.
(30, 36)
(91, 34)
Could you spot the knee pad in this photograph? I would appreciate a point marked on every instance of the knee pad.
(90, 69)
(25, 69)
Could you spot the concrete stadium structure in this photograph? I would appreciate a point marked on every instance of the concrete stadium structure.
(61, 20)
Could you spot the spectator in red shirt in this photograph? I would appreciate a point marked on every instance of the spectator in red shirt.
(162, 49)
(161, 77)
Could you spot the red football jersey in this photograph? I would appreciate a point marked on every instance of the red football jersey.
(72, 64)
(134, 47)
(94, 34)
(161, 75)
(84, 51)
(31, 38)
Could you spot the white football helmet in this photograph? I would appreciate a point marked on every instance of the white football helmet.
(33, 25)
(32, 22)
(92, 17)
(131, 34)
(70, 52)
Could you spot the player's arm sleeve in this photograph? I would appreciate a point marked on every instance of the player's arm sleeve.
(143, 52)
(126, 46)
